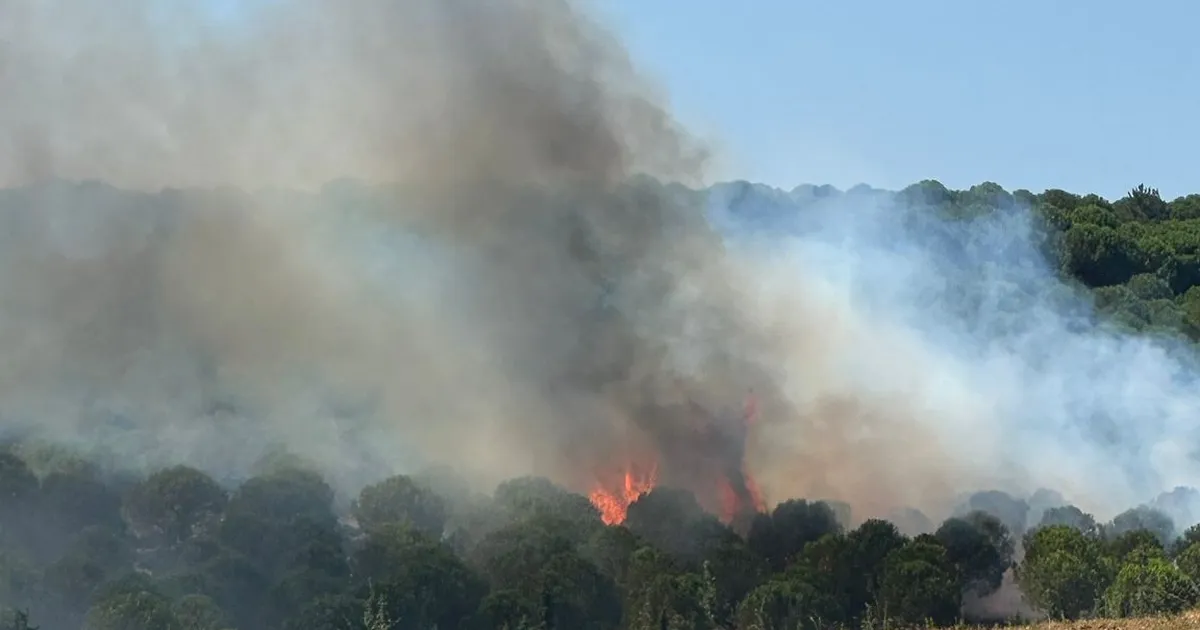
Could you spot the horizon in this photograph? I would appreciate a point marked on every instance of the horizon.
(708, 186)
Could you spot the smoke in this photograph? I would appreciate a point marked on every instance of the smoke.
(951, 358)
(507, 294)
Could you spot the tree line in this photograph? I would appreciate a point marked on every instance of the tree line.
(1136, 258)
(81, 547)
(1140, 254)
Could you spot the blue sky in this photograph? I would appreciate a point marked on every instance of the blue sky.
(1086, 95)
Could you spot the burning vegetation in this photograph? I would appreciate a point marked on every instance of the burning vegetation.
(613, 502)
(705, 457)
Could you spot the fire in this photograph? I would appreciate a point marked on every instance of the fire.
(755, 495)
(614, 503)
(732, 505)
(718, 476)
(731, 502)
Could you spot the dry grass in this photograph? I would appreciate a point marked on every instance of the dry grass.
(1186, 621)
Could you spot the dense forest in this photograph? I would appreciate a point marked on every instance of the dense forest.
(95, 546)
(177, 550)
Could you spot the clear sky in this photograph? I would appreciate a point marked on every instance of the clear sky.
(1086, 95)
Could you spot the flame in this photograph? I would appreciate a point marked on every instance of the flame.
(760, 505)
(733, 506)
(726, 488)
(613, 503)
(729, 501)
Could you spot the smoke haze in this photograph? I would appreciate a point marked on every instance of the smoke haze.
(512, 296)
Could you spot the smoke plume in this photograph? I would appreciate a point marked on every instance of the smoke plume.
(507, 296)
(500, 288)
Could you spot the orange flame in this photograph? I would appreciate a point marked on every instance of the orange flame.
(755, 494)
(732, 505)
(751, 416)
(613, 504)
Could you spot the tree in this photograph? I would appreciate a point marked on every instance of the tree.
(1060, 199)
(139, 610)
(919, 584)
(330, 612)
(1009, 510)
(281, 522)
(929, 193)
(611, 549)
(1189, 537)
(1188, 561)
(575, 594)
(1072, 517)
(1149, 586)
(76, 499)
(234, 583)
(531, 497)
(283, 496)
(787, 604)
(1185, 208)
(735, 570)
(507, 609)
(673, 521)
(1099, 256)
(398, 499)
(513, 554)
(865, 553)
(173, 501)
(1063, 573)
(198, 612)
(89, 560)
(778, 537)
(1143, 518)
(673, 600)
(1142, 202)
(1148, 286)
(1133, 542)
(421, 580)
(980, 547)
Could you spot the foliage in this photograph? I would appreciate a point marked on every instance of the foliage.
(1150, 587)
(399, 499)
(274, 555)
(980, 548)
(173, 501)
(1063, 572)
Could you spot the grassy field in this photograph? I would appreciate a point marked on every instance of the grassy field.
(1186, 621)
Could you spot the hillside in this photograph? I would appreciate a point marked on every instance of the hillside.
(214, 420)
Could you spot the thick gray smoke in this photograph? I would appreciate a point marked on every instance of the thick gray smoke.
(515, 299)
(550, 302)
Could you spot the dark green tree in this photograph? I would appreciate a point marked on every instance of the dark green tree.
(399, 499)
(1063, 573)
(136, 610)
(171, 502)
(421, 580)
(778, 537)
(1072, 517)
(919, 584)
(980, 547)
(1143, 518)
